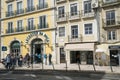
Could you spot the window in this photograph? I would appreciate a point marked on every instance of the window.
(29, 3)
(112, 35)
(87, 7)
(61, 31)
(73, 8)
(110, 17)
(30, 24)
(88, 29)
(19, 25)
(61, 12)
(19, 7)
(10, 8)
(30, 6)
(74, 31)
(42, 22)
(41, 4)
(10, 27)
(62, 55)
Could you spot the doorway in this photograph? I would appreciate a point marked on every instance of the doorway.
(114, 58)
(36, 50)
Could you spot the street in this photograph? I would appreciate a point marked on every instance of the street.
(56, 75)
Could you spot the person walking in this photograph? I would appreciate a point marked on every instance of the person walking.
(50, 57)
(27, 59)
(8, 61)
(13, 61)
(20, 60)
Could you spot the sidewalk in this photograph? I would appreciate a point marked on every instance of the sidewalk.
(70, 67)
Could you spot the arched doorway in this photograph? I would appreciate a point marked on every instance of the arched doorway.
(15, 48)
(37, 50)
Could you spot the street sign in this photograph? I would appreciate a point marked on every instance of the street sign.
(4, 48)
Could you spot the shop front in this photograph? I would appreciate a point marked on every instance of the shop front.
(114, 55)
(80, 53)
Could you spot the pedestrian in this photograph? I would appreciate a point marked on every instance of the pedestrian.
(45, 59)
(20, 60)
(27, 58)
(50, 57)
(8, 61)
(13, 61)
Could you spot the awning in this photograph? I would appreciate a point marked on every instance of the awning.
(100, 50)
(82, 46)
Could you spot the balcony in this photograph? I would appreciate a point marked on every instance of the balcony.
(42, 26)
(107, 3)
(19, 29)
(74, 15)
(9, 14)
(42, 6)
(28, 28)
(9, 30)
(20, 11)
(60, 1)
(75, 38)
(87, 13)
(62, 18)
(30, 9)
(107, 23)
(7, 1)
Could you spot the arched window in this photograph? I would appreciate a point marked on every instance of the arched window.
(15, 48)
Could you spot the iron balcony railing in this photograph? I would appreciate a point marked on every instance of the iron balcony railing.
(19, 29)
(75, 38)
(30, 8)
(87, 13)
(9, 30)
(32, 27)
(111, 22)
(42, 26)
(110, 1)
(62, 17)
(60, 1)
(19, 11)
(45, 5)
(11, 13)
(74, 15)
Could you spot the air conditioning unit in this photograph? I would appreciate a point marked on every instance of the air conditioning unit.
(94, 3)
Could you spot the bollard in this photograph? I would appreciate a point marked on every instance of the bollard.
(79, 66)
(111, 68)
(42, 66)
(53, 66)
(94, 67)
(66, 67)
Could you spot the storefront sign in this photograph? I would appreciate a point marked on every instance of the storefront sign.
(37, 33)
(114, 47)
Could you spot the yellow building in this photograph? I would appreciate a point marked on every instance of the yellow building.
(27, 27)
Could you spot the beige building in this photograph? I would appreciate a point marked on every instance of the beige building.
(109, 47)
(78, 31)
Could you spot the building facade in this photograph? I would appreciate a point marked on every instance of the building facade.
(27, 26)
(109, 47)
(78, 31)
(84, 31)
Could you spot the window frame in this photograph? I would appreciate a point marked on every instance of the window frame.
(61, 31)
(89, 28)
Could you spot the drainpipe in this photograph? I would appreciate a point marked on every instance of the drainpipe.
(55, 29)
(97, 18)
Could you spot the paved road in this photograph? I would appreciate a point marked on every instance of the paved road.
(56, 75)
